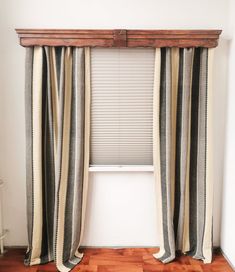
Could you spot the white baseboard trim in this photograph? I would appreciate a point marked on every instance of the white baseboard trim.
(227, 259)
(119, 247)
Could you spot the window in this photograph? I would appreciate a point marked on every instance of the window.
(122, 106)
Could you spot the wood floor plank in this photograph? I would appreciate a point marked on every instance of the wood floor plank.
(118, 260)
(120, 268)
(86, 268)
(115, 260)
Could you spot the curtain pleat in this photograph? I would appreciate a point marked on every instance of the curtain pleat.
(182, 151)
(57, 152)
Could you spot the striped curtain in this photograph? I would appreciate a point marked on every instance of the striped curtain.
(182, 151)
(57, 139)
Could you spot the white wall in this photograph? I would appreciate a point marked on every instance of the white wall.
(129, 220)
(122, 210)
(228, 214)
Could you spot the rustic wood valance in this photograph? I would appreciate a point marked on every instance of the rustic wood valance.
(119, 38)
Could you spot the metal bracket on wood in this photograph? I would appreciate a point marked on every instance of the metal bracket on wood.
(119, 38)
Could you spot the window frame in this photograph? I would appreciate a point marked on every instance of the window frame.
(139, 152)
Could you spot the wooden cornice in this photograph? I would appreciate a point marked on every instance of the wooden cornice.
(119, 38)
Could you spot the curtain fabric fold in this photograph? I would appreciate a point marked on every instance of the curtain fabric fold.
(57, 139)
(182, 151)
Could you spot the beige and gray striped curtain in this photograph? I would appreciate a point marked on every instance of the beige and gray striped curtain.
(57, 139)
(57, 133)
(182, 151)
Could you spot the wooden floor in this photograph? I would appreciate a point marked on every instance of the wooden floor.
(117, 260)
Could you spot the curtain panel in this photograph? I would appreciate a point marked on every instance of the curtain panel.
(57, 152)
(57, 139)
(182, 151)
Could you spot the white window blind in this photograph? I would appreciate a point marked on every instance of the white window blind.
(122, 106)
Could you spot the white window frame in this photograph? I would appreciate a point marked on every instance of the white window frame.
(121, 168)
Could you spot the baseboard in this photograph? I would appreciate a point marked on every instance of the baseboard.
(15, 247)
(139, 246)
(215, 248)
(227, 259)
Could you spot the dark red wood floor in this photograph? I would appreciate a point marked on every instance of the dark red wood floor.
(117, 260)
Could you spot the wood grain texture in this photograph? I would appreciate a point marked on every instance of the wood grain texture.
(118, 260)
(119, 37)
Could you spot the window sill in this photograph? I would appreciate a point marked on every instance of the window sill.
(121, 168)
